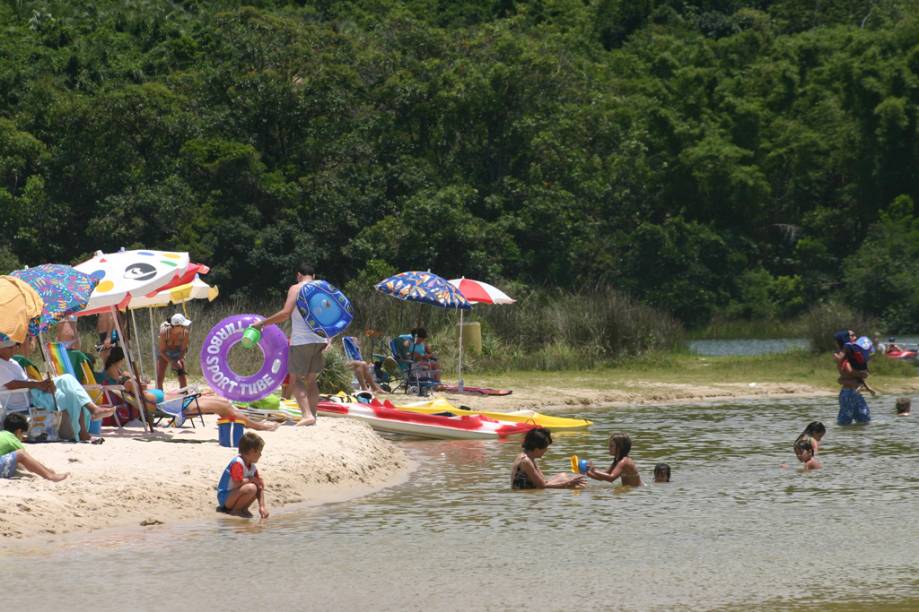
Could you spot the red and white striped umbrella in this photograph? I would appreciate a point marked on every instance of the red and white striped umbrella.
(479, 293)
(483, 293)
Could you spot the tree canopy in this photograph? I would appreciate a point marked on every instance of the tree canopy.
(742, 157)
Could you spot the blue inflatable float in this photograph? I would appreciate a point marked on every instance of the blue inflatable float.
(325, 309)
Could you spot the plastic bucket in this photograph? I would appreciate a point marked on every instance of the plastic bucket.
(229, 433)
(251, 337)
(95, 427)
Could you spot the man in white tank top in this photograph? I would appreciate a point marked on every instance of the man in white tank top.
(304, 359)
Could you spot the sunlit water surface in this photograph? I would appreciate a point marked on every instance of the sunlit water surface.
(732, 530)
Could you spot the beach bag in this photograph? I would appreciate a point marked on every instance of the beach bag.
(44, 425)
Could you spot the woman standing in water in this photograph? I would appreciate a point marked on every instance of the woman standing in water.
(852, 405)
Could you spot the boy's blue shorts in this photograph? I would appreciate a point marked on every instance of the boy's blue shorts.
(8, 465)
(852, 407)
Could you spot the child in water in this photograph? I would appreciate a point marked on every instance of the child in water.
(816, 430)
(240, 484)
(804, 450)
(661, 472)
(623, 467)
(525, 473)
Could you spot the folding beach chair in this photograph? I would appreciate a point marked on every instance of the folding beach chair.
(102, 395)
(43, 424)
(175, 409)
(352, 353)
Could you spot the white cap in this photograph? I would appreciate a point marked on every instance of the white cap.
(179, 319)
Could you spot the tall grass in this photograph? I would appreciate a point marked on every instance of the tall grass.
(823, 321)
(548, 330)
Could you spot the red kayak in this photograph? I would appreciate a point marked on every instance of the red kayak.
(385, 417)
(474, 390)
(901, 354)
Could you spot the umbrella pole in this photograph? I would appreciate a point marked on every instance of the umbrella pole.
(140, 354)
(153, 344)
(127, 355)
(459, 383)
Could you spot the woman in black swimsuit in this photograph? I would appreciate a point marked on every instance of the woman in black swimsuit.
(525, 474)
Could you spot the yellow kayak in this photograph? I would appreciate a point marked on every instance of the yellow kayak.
(441, 405)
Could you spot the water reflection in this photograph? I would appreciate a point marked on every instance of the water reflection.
(732, 529)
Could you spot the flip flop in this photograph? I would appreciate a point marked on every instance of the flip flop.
(98, 440)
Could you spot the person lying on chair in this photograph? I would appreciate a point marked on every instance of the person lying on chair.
(64, 393)
(114, 374)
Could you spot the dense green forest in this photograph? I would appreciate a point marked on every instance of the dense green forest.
(746, 159)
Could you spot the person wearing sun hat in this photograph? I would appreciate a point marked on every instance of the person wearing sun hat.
(173, 345)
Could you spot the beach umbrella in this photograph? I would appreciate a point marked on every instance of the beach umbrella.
(423, 287)
(480, 293)
(197, 289)
(126, 274)
(19, 305)
(63, 289)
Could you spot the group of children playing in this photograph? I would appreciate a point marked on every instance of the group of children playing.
(525, 472)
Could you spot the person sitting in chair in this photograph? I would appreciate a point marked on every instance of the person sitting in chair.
(364, 374)
(114, 374)
(63, 393)
(415, 347)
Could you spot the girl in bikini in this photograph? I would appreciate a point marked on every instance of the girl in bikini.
(623, 467)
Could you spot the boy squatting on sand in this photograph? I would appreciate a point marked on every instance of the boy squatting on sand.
(240, 484)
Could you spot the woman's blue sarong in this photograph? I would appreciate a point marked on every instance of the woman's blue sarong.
(71, 398)
(852, 406)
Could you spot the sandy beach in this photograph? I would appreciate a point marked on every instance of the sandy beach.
(575, 395)
(150, 479)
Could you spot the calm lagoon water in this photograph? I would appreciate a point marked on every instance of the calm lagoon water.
(733, 530)
(747, 346)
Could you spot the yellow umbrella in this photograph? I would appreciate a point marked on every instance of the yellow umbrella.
(19, 304)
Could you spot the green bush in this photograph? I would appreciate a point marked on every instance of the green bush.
(824, 320)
